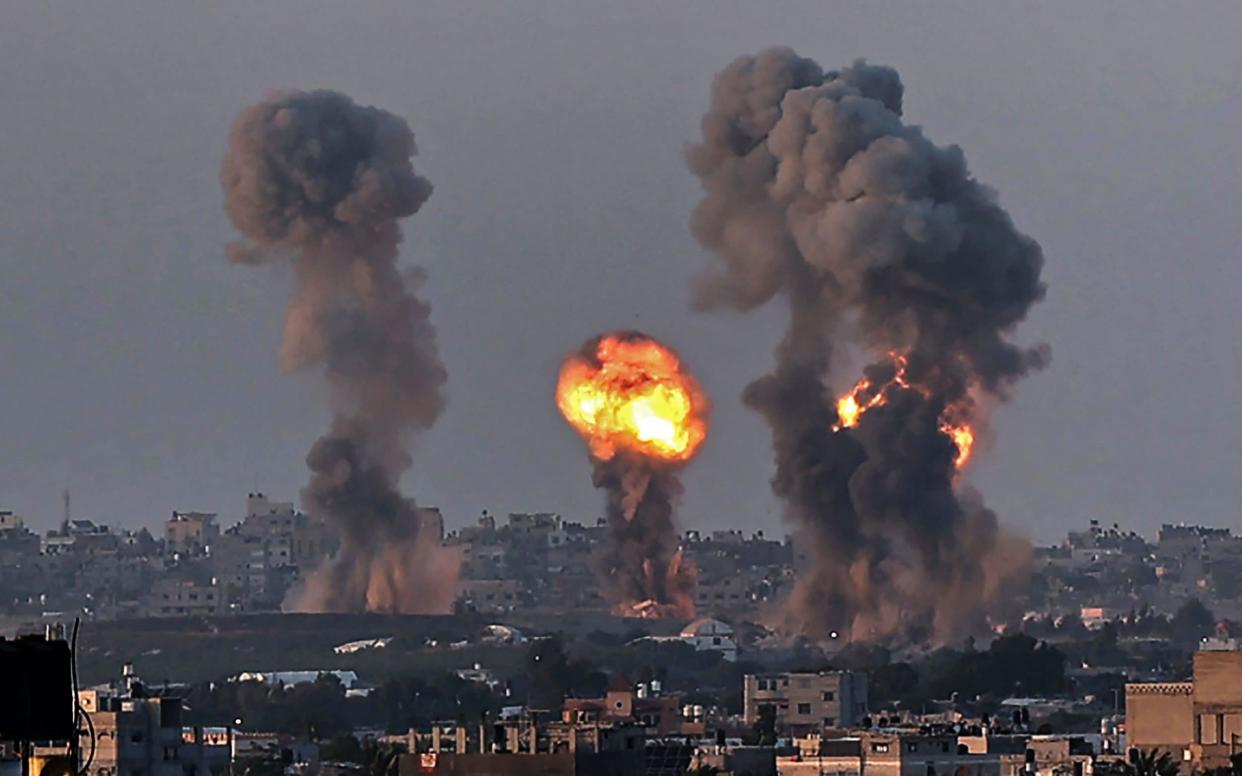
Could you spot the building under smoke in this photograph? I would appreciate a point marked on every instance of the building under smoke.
(316, 179)
(817, 191)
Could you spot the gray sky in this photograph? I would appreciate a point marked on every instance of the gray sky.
(140, 367)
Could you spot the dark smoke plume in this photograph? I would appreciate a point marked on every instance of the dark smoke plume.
(641, 566)
(317, 179)
(817, 191)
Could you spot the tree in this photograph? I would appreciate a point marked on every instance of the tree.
(765, 725)
(547, 666)
(1149, 762)
(1192, 621)
(380, 759)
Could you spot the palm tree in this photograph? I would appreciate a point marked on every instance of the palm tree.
(1150, 762)
(380, 759)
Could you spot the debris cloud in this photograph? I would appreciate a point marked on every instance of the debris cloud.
(816, 190)
(320, 181)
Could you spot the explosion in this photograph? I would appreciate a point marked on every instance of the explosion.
(643, 417)
(633, 395)
(316, 180)
(954, 420)
(819, 194)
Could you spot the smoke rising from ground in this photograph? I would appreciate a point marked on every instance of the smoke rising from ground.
(316, 179)
(817, 191)
(641, 561)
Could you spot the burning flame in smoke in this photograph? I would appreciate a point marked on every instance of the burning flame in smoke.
(954, 422)
(634, 397)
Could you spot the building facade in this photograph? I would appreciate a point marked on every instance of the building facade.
(1198, 722)
(806, 702)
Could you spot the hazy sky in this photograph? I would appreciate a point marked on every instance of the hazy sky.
(139, 367)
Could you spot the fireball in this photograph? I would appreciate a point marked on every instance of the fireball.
(954, 421)
(628, 392)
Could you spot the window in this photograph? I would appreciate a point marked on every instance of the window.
(911, 746)
(879, 748)
(944, 746)
(804, 708)
(716, 641)
(829, 696)
(830, 721)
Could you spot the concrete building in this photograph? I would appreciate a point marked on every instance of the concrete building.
(182, 597)
(521, 746)
(190, 533)
(807, 702)
(490, 595)
(625, 704)
(710, 635)
(894, 753)
(137, 735)
(1199, 722)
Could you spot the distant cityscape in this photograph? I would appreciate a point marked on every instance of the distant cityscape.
(197, 564)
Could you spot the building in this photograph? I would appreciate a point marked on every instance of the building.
(894, 753)
(190, 533)
(174, 596)
(710, 635)
(137, 734)
(806, 702)
(490, 595)
(625, 704)
(524, 746)
(1198, 722)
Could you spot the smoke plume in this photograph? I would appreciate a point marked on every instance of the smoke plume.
(319, 180)
(817, 191)
(643, 416)
(641, 568)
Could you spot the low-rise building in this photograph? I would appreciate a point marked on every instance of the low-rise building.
(1198, 722)
(626, 704)
(136, 734)
(804, 703)
(176, 596)
(710, 635)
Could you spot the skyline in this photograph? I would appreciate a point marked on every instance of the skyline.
(566, 205)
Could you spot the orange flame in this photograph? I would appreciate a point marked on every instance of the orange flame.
(634, 395)
(863, 396)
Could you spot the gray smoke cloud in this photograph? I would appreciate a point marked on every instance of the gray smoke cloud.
(641, 568)
(817, 191)
(318, 180)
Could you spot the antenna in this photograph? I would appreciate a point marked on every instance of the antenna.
(68, 512)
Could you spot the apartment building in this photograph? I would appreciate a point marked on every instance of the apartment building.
(806, 702)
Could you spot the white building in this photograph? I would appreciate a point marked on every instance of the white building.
(709, 635)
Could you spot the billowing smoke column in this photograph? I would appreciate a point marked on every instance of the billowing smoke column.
(317, 179)
(643, 416)
(815, 190)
